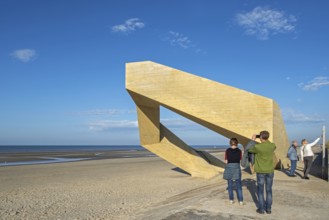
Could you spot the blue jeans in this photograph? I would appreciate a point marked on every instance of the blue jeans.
(267, 180)
(238, 189)
(293, 167)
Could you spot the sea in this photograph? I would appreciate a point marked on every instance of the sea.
(65, 148)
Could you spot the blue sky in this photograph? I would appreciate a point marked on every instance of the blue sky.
(62, 63)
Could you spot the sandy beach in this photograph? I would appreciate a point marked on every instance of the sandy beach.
(145, 188)
(96, 189)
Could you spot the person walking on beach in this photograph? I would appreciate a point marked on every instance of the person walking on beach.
(232, 171)
(306, 153)
(293, 157)
(264, 169)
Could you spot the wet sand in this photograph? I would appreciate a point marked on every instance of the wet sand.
(8, 159)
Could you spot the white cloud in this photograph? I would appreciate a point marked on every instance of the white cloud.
(128, 26)
(292, 116)
(24, 55)
(105, 112)
(101, 112)
(263, 22)
(178, 39)
(315, 83)
(177, 122)
(104, 125)
(300, 100)
(132, 111)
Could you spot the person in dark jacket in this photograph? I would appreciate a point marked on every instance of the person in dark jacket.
(232, 171)
(293, 157)
(248, 159)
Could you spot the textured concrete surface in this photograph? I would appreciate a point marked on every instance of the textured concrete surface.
(293, 198)
(229, 111)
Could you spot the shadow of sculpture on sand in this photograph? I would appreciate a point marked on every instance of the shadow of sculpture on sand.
(316, 169)
(179, 170)
(252, 188)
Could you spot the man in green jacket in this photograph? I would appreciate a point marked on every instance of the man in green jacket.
(264, 170)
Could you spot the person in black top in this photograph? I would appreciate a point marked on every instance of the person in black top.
(232, 173)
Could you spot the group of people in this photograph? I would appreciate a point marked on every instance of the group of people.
(259, 156)
(306, 154)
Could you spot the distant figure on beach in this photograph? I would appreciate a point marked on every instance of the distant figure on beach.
(306, 153)
(264, 169)
(232, 171)
(293, 157)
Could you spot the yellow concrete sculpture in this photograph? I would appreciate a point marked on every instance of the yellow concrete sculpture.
(229, 111)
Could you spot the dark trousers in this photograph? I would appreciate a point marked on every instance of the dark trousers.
(264, 179)
(307, 165)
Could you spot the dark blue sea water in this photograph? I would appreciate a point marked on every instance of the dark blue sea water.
(83, 148)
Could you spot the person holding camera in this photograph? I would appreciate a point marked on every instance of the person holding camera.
(264, 169)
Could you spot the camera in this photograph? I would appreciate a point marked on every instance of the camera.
(257, 136)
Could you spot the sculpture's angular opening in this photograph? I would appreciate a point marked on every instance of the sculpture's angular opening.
(196, 136)
(190, 132)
